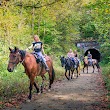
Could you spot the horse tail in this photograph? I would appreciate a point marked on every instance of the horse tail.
(53, 75)
(97, 64)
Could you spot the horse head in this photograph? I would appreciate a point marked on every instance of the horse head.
(14, 59)
(62, 59)
(69, 63)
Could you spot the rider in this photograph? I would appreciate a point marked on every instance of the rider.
(89, 57)
(76, 56)
(75, 53)
(37, 46)
(71, 55)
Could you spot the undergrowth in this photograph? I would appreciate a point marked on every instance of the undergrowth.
(106, 76)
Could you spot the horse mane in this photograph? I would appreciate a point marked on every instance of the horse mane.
(23, 53)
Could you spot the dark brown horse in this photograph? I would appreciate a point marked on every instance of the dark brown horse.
(32, 68)
(93, 64)
(69, 66)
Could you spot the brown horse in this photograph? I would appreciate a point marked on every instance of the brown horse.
(32, 68)
(94, 62)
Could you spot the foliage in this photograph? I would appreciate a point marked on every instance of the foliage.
(94, 25)
(106, 76)
(59, 23)
(106, 73)
(105, 48)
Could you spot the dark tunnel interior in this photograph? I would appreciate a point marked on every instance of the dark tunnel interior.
(95, 54)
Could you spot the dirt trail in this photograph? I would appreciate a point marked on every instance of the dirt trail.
(84, 93)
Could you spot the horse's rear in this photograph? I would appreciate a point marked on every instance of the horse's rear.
(51, 70)
(34, 69)
(94, 62)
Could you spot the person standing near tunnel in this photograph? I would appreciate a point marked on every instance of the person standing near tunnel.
(89, 56)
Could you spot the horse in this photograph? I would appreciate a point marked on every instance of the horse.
(32, 68)
(93, 63)
(69, 66)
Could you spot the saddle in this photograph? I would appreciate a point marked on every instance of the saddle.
(38, 58)
(74, 62)
(40, 62)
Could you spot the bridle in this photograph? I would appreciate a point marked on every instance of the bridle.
(17, 60)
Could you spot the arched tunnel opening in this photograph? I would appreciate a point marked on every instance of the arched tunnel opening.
(95, 54)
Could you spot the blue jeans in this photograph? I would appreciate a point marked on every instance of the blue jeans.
(41, 55)
(90, 61)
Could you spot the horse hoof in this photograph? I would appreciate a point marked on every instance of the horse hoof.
(28, 100)
(39, 93)
(49, 90)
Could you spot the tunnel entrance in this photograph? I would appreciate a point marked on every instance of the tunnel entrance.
(92, 46)
(95, 54)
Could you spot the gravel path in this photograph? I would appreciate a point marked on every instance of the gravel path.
(84, 93)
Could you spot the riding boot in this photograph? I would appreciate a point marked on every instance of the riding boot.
(46, 67)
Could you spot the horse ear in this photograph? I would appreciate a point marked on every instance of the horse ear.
(10, 49)
(16, 49)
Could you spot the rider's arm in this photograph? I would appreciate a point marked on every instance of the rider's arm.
(30, 47)
(43, 52)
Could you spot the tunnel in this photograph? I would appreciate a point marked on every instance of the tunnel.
(95, 54)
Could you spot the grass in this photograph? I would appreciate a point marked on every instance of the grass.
(13, 83)
(106, 76)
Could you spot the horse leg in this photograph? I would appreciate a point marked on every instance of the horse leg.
(42, 85)
(87, 68)
(77, 71)
(69, 74)
(73, 73)
(93, 68)
(51, 77)
(30, 89)
(83, 68)
(66, 74)
(35, 85)
(98, 67)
